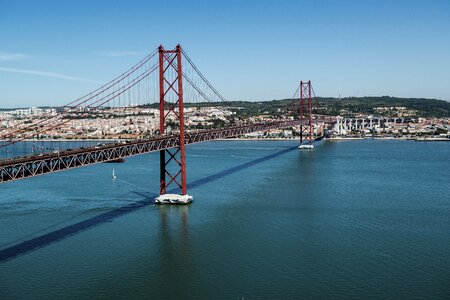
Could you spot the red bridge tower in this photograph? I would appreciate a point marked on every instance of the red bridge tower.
(173, 165)
(306, 128)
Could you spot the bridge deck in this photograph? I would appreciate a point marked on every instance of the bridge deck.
(29, 166)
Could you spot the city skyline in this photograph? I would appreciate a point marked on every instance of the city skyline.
(251, 51)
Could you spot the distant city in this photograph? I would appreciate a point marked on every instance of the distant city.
(143, 121)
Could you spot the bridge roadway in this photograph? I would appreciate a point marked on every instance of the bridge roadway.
(34, 165)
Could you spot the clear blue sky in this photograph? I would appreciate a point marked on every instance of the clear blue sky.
(54, 51)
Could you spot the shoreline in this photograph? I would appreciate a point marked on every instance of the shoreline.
(259, 139)
(420, 139)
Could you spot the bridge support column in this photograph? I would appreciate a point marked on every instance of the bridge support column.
(306, 126)
(172, 161)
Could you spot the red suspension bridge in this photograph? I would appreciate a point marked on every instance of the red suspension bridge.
(167, 77)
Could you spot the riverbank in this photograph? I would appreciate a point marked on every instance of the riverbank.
(418, 139)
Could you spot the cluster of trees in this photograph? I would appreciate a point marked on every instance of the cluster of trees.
(424, 107)
(334, 106)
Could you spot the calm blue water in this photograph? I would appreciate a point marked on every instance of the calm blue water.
(354, 219)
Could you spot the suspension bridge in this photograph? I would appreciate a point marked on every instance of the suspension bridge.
(170, 80)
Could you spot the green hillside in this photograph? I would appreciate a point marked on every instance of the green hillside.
(415, 107)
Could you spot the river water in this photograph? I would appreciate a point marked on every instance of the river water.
(350, 219)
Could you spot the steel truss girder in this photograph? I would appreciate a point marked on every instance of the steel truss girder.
(30, 166)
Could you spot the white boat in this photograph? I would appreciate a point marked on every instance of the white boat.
(114, 175)
(173, 199)
(306, 146)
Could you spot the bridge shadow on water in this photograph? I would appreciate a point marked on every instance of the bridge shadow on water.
(65, 232)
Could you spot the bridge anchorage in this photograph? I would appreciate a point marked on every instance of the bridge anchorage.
(306, 125)
(173, 165)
